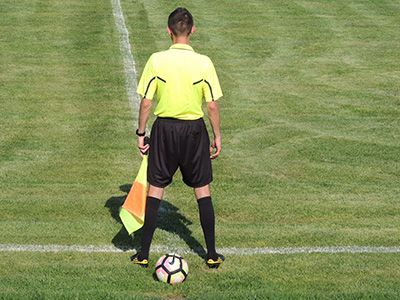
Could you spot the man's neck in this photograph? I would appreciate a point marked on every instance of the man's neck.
(181, 39)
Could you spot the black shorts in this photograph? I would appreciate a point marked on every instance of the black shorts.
(179, 143)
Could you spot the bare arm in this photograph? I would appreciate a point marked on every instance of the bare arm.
(144, 113)
(213, 114)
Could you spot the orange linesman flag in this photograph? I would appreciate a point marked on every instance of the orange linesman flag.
(132, 211)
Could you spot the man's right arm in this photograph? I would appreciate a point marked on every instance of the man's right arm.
(144, 113)
(213, 114)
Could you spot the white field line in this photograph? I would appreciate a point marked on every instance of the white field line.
(129, 62)
(184, 250)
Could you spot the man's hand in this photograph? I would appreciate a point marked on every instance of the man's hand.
(215, 145)
(142, 147)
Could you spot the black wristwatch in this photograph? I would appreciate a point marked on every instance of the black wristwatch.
(140, 134)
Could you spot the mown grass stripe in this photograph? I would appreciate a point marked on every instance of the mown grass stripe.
(183, 250)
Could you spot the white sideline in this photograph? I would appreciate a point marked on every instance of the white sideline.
(184, 250)
(129, 62)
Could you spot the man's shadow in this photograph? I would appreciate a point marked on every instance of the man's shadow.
(168, 219)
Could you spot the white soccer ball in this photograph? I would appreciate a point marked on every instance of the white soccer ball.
(172, 268)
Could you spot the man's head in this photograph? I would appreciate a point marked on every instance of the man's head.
(180, 22)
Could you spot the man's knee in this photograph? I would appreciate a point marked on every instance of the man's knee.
(155, 192)
(202, 192)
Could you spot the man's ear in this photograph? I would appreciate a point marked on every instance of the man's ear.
(193, 29)
(169, 31)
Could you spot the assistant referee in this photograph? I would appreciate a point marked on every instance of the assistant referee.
(179, 138)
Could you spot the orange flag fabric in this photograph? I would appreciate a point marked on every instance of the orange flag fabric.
(132, 211)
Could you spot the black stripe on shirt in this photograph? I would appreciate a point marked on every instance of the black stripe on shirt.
(148, 86)
(209, 85)
(197, 82)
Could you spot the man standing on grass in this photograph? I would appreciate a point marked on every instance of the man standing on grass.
(179, 137)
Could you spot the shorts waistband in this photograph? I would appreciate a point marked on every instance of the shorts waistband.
(178, 120)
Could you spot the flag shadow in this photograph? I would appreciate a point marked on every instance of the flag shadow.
(169, 219)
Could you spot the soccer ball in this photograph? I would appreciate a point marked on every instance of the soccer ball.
(172, 268)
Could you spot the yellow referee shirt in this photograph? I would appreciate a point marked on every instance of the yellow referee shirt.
(181, 78)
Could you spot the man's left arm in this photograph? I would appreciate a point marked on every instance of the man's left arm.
(213, 115)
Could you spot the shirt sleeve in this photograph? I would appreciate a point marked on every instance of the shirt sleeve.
(211, 87)
(148, 84)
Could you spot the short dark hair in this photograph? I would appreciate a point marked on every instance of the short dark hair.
(180, 21)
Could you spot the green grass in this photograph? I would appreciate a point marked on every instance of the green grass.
(311, 143)
(96, 276)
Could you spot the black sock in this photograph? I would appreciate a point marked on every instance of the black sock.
(150, 224)
(207, 220)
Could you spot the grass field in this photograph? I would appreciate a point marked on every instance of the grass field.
(311, 149)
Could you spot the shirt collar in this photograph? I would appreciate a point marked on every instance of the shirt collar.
(181, 47)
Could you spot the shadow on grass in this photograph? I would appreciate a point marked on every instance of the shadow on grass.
(169, 219)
